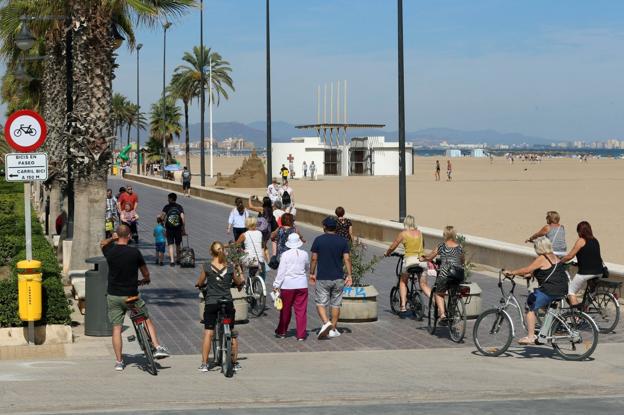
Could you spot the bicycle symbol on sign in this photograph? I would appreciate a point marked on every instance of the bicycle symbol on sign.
(26, 130)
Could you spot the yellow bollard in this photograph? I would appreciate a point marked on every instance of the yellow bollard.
(29, 290)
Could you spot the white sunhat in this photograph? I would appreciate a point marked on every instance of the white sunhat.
(293, 241)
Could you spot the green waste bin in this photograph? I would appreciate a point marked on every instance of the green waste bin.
(96, 284)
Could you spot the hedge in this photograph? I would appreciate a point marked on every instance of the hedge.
(56, 308)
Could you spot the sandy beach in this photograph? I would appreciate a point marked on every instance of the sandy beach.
(496, 200)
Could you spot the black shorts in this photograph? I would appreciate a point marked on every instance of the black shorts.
(186, 185)
(210, 315)
(174, 235)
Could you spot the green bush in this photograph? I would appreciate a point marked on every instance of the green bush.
(11, 225)
(8, 303)
(55, 305)
(9, 247)
(7, 204)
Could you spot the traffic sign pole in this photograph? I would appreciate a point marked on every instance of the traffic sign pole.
(28, 222)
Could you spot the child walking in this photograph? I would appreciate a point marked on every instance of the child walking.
(160, 240)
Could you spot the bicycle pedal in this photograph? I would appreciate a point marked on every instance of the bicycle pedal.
(131, 338)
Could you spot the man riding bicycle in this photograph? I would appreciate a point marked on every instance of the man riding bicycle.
(217, 277)
(124, 263)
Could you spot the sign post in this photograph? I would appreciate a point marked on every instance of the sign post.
(25, 131)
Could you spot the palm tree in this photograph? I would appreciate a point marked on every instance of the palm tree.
(134, 117)
(121, 112)
(94, 26)
(168, 127)
(186, 82)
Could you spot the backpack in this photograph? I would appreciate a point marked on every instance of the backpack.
(285, 198)
(186, 175)
(173, 218)
(264, 227)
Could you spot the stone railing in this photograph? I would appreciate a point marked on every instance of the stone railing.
(489, 252)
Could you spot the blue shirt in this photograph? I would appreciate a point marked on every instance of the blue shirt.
(330, 249)
(159, 234)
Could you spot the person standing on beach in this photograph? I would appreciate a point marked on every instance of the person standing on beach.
(305, 169)
(273, 191)
(449, 171)
(312, 171)
(284, 173)
(330, 253)
(437, 171)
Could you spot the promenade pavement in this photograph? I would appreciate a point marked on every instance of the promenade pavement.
(173, 300)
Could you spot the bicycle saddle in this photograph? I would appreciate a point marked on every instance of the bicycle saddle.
(415, 269)
(132, 299)
(223, 301)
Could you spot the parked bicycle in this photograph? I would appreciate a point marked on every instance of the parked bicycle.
(142, 334)
(571, 332)
(222, 339)
(455, 307)
(414, 296)
(28, 129)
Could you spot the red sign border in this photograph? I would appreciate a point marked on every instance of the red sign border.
(38, 143)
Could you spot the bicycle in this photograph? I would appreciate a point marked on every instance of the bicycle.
(255, 289)
(142, 334)
(414, 298)
(222, 339)
(571, 332)
(601, 304)
(26, 130)
(455, 307)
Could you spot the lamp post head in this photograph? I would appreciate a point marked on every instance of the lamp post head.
(24, 39)
(139, 46)
(20, 73)
(166, 25)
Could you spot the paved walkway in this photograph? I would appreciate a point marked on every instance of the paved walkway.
(173, 300)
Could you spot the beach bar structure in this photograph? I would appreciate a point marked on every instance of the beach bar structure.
(453, 153)
(334, 154)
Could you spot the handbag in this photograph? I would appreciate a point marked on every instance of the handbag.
(456, 274)
(273, 262)
(605, 271)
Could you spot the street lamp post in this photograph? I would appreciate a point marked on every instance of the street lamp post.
(202, 101)
(166, 25)
(268, 94)
(402, 180)
(138, 114)
(24, 40)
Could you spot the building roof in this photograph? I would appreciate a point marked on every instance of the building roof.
(325, 126)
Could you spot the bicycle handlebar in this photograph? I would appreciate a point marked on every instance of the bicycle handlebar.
(396, 254)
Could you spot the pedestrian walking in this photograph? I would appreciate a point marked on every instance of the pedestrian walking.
(345, 227)
(312, 171)
(111, 215)
(175, 221)
(237, 218)
(291, 169)
(128, 195)
(160, 240)
(284, 173)
(273, 191)
(449, 171)
(124, 263)
(281, 234)
(186, 182)
(291, 285)
(305, 169)
(330, 253)
(287, 196)
(437, 171)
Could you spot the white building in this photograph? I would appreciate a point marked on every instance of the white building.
(453, 153)
(365, 156)
(477, 152)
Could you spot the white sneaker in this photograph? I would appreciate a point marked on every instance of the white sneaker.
(324, 329)
(334, 333)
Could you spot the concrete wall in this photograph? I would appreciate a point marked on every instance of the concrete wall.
(479, 250)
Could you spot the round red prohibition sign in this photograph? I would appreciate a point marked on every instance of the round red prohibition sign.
(25, 131)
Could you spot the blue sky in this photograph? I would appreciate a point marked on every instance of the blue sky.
(546, 68)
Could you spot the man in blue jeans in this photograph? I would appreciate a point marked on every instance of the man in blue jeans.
(330, 253)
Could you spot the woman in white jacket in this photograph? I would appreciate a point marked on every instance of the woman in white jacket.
(291, 283)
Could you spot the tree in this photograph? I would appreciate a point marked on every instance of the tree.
(88, 131)
(121, 108)
(186, 82)
(133, 118)
(169, 126)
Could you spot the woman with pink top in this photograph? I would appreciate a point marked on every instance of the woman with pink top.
(291, 283)
(129, 217)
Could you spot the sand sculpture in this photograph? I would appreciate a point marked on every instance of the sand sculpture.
(250, 175)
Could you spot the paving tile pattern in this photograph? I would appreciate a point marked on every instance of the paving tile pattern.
(173, 300)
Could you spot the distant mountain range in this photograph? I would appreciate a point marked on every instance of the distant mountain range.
(255, 132)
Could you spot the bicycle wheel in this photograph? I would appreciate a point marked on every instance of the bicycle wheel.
(228, 366)
(432, 315)
(492, 332)
(17, 132)
(216, 347)
(575, 337)
(416, 305)
(605, 310)
(395, 300)
(258, 300)
(146, 345)
(456, 318)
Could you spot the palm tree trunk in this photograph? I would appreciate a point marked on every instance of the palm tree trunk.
(93, 71)
(187, 136)
(129, 127)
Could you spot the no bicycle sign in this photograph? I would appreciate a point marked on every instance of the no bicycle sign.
(25, 131)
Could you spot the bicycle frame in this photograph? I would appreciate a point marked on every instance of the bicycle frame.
(510, 300)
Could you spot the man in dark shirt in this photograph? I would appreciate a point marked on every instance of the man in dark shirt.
(124, 263)
(329, 252)
(173, 215)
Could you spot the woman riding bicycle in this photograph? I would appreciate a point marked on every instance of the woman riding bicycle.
(587, 252)
(217, 277)
(552, 279)
(413, 244)
(251, 240)
(553, 231)
(451, 261)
